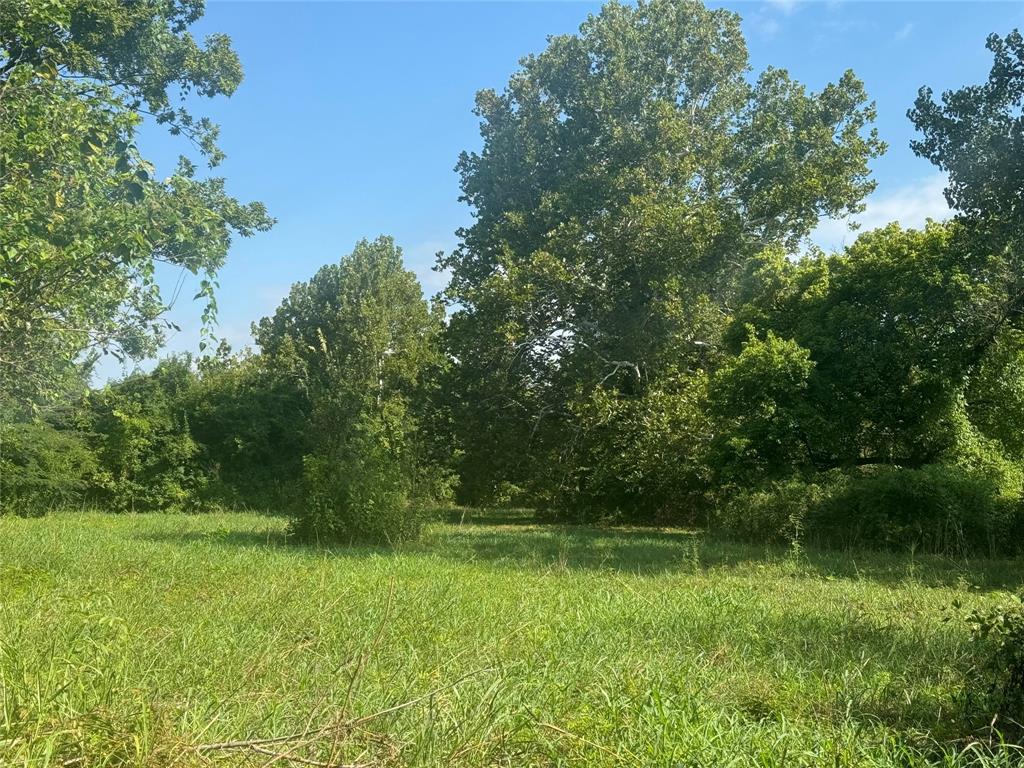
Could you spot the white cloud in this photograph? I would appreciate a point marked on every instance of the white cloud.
(421, 257)
(786, 6)
(765, 21)
(911, 205)
(904, 32)
(768, 27)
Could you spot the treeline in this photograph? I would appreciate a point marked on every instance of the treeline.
(332, 421)
(635, 328)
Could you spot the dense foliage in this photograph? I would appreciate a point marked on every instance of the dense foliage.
(83, 219)
(365, 345)
(42, 467)
(628, 175)
(637, 328)
(998, 690)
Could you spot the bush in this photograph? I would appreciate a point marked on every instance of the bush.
(141, 435)
(777, 512)
(250, 420)
(42, 468)
(360, 494)
(998, 693)
(759, 407)
(938, 508)
(636, 459)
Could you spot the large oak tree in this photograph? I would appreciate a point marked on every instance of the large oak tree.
(628, 174)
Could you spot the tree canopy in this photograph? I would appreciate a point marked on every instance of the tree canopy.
(364, 343)
(636, 327)
(976, 135)
(84, 219)
(628, 175)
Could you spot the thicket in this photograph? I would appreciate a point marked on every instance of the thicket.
(323, 423)
(635, 327)
(936, 509)
(42, 468)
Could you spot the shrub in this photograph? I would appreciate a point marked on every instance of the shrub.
(141, 434)
(359, 492)
(776, 512)
(250, 420)
(42, 468)
(636, 459)
(937, 508)
(148, 456)
(998, 693)
(350, 504)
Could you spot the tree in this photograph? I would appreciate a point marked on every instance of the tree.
(892, 326)
(757, 400)
(249, 415)
(995, 394)
(83, 221)
(641, 459)
(628, 173)
(889, 324)
(367, 347)
(976, 135)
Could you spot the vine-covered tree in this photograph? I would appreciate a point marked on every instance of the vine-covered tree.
(627, 176)
(976, 135)
(876, 402)
(889, 324)
(139, 429)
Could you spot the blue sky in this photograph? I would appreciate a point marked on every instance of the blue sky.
(352, 115)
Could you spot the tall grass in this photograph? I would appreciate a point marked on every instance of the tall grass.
(207, 640)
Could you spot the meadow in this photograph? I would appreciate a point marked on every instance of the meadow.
(174, 640)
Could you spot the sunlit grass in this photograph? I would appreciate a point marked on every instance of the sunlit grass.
(150, 640)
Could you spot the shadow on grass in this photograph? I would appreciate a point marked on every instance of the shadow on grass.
(515, 539)
(230, 538)
(830, 667)
(649, 551)
(545, 546)
(848, 653)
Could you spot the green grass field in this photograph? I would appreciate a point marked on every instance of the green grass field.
(208, 640)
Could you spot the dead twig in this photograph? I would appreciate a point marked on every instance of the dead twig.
(258, 744)
(250, 743)
(274, 757)
(413, 702)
